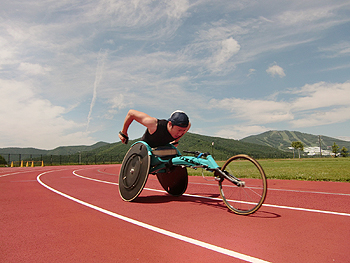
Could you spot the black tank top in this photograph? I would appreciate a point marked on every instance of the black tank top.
(160, 137)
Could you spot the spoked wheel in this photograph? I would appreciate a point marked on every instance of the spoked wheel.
(247, 191)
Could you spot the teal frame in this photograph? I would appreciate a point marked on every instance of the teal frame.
(159, 164)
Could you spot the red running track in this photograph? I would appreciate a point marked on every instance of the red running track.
(75, 214)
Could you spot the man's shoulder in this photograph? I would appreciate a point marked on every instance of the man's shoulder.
(162, 122)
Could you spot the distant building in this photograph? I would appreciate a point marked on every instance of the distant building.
(311, 151)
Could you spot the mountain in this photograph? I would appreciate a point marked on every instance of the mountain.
(271, 144)
(67, 150)
(282, 140)
(222, 148)
(115, 152)
(62, 150)
(225, 148)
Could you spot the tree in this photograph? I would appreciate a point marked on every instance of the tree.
(335, 149)
(2, 160)
(344, 152)
(297, 145)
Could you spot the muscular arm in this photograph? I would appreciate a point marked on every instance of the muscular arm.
(149, 122)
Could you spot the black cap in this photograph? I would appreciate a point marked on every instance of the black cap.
(179, 118)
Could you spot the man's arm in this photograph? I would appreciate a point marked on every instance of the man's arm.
(149, 122)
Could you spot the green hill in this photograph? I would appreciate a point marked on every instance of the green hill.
(222, 149)
(62, 150)
(283, 139)
(271, 144)
(66, 150)
(16, 154)
(225, 148)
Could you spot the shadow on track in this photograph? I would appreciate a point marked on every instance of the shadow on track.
(158, 199)
(217, 204)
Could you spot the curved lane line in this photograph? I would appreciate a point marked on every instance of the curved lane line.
(286, 190)
(308, 210)
(20, 172)
(270, 189)
(154, 228)
(219, 199)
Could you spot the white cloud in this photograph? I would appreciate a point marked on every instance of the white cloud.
(312, 105)
(98, 76)
(170, 54)
(319, 118)
(227, 48)
(340, 49)
(322, 95)
(136, 19)
(321, 104)
(33, 69)
(117, 103)
(177, 9)
(292, 17)
(251, 72)
(28, 120)
(255, 111)
(238, 132)
(276, 70)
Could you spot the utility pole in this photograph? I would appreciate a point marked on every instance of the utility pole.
(319, 141)
(212, 149)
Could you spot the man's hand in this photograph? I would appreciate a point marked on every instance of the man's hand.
(123, 137)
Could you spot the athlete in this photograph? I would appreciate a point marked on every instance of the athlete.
(158, 132)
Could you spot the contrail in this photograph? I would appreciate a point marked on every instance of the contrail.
(99, 72)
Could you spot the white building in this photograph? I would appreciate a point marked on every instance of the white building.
(311, 151)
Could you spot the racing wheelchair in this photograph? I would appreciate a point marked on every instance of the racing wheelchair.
(242, 181)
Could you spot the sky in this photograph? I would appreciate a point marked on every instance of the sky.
(71, 69)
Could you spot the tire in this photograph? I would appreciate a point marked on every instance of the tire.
(247, 199)
(174, 181)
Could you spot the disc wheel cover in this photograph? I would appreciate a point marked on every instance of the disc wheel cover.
(134, 172)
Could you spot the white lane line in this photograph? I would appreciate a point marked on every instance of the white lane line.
(286, 190)
(219, 199)
(307, 210)
(269, 189)
(92, 179)
(156, 229)
(3, 175)
(25, 171)
(308, 192)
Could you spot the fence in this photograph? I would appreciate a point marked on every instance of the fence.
(80, 158)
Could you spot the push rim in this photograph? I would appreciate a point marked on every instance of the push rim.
(247, 198)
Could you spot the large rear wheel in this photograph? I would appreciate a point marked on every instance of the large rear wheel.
(244, 187)
(134, 172)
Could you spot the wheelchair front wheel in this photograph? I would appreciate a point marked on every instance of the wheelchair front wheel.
(249, 194)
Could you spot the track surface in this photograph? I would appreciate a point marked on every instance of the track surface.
(58, 214)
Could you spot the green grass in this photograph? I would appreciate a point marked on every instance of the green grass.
(311, 169)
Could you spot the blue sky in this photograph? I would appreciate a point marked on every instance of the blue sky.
(70, 70)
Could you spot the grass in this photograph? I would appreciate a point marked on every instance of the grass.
(310, 169)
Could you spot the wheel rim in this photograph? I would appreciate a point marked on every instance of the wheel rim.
(249, 197)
